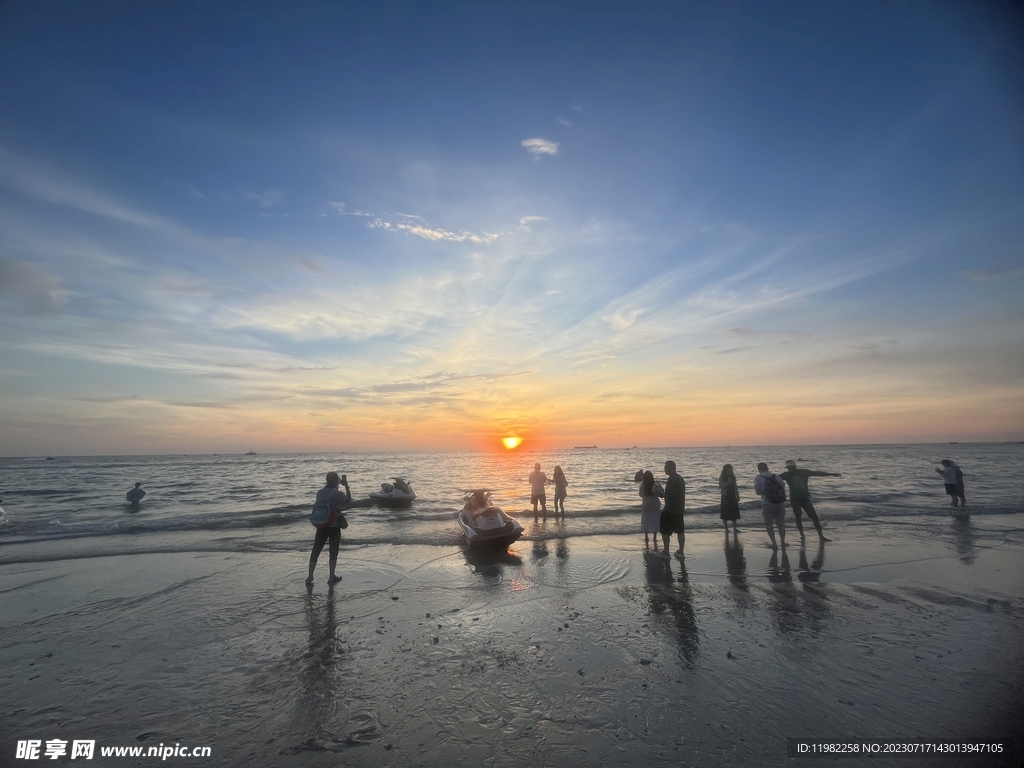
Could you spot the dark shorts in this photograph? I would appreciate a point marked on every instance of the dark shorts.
(538, 498)
(670, 522)
(802, 505)
(951, 489)
(323, 535)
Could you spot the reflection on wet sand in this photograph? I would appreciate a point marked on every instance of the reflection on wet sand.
(542, 534)
(797, 610)
(778, 571)
(486, 561)
(540, 549)
(812, 572)
(965, 536)
(322, 665)
(735, 562)
(667, 591)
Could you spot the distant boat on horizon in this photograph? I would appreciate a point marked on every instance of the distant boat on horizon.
(251, 452)
(584, 447)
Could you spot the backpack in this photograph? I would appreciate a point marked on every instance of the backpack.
(774, 490)
(322, 517)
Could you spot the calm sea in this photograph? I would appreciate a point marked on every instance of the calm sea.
(263, 501)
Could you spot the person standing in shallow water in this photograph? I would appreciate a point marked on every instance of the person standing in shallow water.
(730, 497)
(800, 496)
(331, 497)
(953, 478)
(672, 513)
(772, 491)
(134, 496)
(537, 482)
(650, 507)
(560, 485)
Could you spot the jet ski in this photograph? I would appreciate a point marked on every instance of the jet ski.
(485, 525)
(397, 494)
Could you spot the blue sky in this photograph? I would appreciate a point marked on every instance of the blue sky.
(414, 225)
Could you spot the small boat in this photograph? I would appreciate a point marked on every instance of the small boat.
(397, 494)
(486, 525)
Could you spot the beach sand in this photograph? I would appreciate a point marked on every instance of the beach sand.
(577, 650)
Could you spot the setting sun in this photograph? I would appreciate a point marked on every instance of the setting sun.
(511, 442)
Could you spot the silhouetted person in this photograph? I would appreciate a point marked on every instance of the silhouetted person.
(134, 496)
(650, 508)
(800, 496)
(953, 478)
(675, 503)
(537, 482)
(332, 500)
(730, 497)
(560, 485)
(773, 503)
(477, 502)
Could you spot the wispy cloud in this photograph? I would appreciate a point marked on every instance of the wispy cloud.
(267, 198)
(427, 232)
(993, 272)
(566, 123)
(31, 285)
(540, 146)
(342, 209)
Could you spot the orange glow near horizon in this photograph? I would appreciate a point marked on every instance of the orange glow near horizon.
(511, 443)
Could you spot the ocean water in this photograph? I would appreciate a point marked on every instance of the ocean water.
(75, 505)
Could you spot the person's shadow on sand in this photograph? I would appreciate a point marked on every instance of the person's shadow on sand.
(486, 561)
(811, 573)
(735, 562)
(540, 549)
(671, 594)
(323, 671)
(963, 532)
(778, 571)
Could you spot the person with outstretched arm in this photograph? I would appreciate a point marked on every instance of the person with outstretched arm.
(800, 496)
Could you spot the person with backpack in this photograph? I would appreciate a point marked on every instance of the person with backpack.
(328, 520)
(772, 491)
(953, 478)
(800, 496)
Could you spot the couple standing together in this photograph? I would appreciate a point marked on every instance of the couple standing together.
(538, 480)
(772, 491)
(665, 520)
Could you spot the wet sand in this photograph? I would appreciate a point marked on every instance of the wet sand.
(571, 650)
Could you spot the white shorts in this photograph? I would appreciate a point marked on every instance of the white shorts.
(774, 513)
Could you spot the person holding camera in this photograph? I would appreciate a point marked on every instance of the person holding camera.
(328, 518)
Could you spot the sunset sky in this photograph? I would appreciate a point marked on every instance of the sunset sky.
(329, 226)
